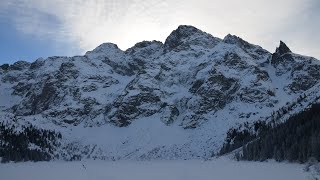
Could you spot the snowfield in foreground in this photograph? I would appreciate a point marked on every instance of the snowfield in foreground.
(220, 169)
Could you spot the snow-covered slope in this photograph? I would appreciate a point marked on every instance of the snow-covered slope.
(175, 100)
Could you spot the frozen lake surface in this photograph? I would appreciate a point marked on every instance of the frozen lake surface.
(219, 169)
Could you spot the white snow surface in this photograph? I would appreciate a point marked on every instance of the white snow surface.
(216, 169)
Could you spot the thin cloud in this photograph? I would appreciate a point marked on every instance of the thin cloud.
(90, 23)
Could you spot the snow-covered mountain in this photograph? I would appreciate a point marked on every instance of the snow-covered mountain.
(175, 100)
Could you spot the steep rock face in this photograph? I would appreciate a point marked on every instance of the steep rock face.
(256, 52)
(185, 37)
(303, 71)
(154, 91)
(282, 59)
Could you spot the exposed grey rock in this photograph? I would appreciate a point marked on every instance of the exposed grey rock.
(4, 67)
(21, 89)
(282, 49)
(119, 68)
(89, 88)
(19, 65)
(37, 64)
(128, 109)
(282, 57)
(37, 102)
(185, 36)
(170, 114)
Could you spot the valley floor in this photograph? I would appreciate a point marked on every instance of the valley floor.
(220, 169)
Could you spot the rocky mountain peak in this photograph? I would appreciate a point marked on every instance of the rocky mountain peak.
(282, 55)
(104, 47)
(145, 46)
(184, 31)
(186, 36)
(282, 49)
(179, 35)
(19, 65)
(106, 50)
(231, 39)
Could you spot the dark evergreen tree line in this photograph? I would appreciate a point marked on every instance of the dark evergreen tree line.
(237, 137)
(276, 115)
(15, 145)
(298, 139)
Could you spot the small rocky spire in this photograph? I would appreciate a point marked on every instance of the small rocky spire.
(283, 49)
(281, 55)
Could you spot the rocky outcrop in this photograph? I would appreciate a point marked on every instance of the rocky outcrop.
(282, 59)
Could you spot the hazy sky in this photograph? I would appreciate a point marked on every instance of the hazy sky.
(41, 28)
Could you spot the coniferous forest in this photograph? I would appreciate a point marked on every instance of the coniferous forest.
(298, 140)
(26, 144)
(238, 137)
